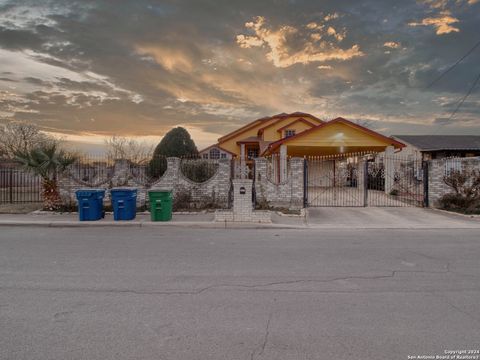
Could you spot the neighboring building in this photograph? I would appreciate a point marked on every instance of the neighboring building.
(299, 134)
(215, 152)
(427, 147)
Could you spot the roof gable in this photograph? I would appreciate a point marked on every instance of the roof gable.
(334, 140)
(266, 121)
(296, 115)
(294, 122)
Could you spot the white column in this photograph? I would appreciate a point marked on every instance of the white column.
(389, 168)
(283, 163)
(242, 161)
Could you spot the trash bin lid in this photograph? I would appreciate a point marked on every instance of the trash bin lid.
(124, 189)
(89, 192)
(119, 192)
(160, 190)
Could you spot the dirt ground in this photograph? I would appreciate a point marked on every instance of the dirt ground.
(19, 208)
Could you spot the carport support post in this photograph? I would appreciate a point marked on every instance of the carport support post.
(305, 182)
(362, 179)
(389, 168)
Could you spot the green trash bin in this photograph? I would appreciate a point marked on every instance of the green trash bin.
(160, 204)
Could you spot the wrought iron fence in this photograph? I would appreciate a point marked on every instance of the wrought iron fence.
(19, 186)
(198, 170)
(365, 179)
(92, 171)
(242, 169)
(278, 169)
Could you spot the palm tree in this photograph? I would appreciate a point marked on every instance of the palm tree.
(47, 161)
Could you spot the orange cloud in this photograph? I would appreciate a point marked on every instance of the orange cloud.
(280, 53)
(170, 58)
(443, 23)
(392, 44)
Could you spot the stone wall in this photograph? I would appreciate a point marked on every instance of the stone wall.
(242, 205)
(287, 193)
(438, 168)
(214, 191)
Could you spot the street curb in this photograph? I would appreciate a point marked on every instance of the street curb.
(147, 224)
(217, 225)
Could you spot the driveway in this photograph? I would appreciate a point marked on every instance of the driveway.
(388, 218)
(174, 293)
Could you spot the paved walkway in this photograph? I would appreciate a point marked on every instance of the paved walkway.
(201, 220)
(322, 218)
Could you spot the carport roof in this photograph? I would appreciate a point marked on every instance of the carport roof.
(441, 142)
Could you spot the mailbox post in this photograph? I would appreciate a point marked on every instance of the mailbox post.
(242, 199)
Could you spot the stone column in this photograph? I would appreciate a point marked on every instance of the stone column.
(172, 173)
(436, 184)
(389, 168)
(242, 200)
(297, 180)
(283, 163)
(223, 181)
(242, 161)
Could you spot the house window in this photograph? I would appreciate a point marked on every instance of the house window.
(205, 156)
(252, 153)
(223, 155)
(214, 153)
(289, 133)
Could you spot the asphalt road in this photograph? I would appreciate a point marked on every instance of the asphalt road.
(173, 293)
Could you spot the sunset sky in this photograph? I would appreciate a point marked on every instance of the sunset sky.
(89, 69)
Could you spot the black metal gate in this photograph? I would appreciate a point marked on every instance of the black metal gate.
(361, 179)
(18, 186)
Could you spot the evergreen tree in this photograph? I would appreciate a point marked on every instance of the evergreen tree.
(176, 143)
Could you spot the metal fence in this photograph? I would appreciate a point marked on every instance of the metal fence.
(365, 179)
(19, 186)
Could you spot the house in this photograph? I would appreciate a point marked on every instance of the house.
(427, 147)
(298, 134)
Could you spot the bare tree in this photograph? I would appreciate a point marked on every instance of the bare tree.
(119, 147)
(20, 137)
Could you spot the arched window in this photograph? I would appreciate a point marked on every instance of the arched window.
(214, 153)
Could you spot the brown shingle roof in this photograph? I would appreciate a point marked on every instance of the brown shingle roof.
(442, 142)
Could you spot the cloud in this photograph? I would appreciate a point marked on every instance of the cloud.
(284, 49)
(442, 23)
(170, 58)
(443, 20)
(337, 35)
(332, 16)
(392, 45)
(139, 68)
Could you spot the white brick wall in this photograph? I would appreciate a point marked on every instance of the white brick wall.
(218, 186)
(436, 173)
(287, 194)
(242, 205)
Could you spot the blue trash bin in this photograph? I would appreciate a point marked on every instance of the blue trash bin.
(90, 204)
(124, 203)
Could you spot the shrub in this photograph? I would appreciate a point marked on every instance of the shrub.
(198, 170)
(394, 192)
(182, 200)
(157, 167)
(466, 191)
